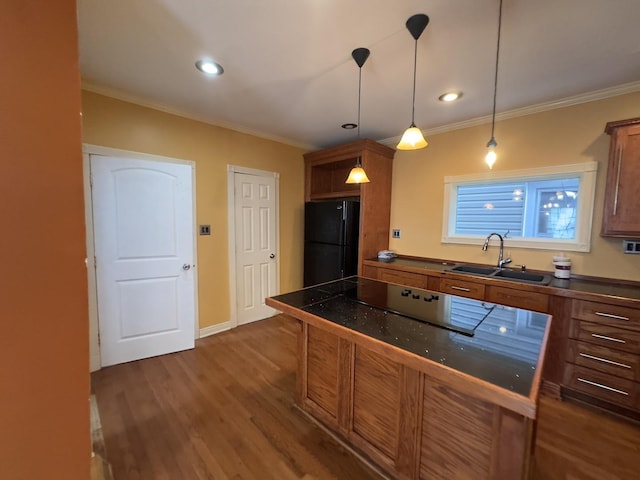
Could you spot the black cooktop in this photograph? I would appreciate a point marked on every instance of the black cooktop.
(421, 305)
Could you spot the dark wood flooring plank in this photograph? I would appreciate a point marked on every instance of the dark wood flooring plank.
(574, 442)
(221, 411)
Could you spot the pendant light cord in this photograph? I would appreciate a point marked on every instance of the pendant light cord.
(415, 61)
(495, 80)
(359, 90)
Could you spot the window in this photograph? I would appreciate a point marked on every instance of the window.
(547, 208)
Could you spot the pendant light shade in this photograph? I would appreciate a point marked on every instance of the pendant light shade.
(491, 156)
(412, 139)
(357, 173)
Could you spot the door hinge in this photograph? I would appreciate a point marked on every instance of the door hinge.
(95, 262)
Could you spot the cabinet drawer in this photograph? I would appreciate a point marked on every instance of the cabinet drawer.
(605, 335)
(600, 385)
(403, 278)
(606, 360)
(518, 298)
(607, 314)
(370, 272)
(462, 288)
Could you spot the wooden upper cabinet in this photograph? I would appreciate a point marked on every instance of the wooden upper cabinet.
(325, 173)
(621, 217)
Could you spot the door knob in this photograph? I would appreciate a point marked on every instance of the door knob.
(186, 266)
(273, 255)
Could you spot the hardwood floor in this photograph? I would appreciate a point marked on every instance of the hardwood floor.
(577, 443)
(225, 411)
(221, 411)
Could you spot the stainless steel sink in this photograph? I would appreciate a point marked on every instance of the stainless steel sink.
(526, 277)
(503, 274)
(484, 271)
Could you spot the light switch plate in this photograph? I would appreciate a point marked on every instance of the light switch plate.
(395, 233)
(205, 229)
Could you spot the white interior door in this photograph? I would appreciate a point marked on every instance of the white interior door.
(144, 247)
(256, 252)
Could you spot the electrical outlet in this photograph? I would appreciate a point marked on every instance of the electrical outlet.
(396, 233)
(631, 246)
(205, 229)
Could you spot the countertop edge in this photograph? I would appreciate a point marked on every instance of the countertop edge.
(566, 292)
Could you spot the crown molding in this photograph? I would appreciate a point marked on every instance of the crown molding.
(530, 110)
(126, 97)
(391, 141)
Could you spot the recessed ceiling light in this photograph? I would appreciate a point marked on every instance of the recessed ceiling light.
(209, 67)
(450, 96)
(349, 126)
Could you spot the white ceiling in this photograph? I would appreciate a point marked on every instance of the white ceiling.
(289, 74)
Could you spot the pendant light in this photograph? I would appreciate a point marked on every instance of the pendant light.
(357, 173)
(490, 158)
(412, 139)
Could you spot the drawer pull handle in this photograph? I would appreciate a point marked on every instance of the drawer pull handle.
(599, 385)
(615, 198)
(611, 315)
(604, 337)
(604, 360)
(462, 289)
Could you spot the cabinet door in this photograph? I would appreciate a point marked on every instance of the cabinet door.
(621, 217)
(518, 298)
(403, 278)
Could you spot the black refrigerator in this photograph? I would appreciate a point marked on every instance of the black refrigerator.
(330, 240)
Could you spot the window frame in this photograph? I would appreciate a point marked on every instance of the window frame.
(586, 172)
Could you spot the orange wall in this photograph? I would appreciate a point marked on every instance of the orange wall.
(44, 358)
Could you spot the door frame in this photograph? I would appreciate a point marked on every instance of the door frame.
(94, 321)
(231, 229)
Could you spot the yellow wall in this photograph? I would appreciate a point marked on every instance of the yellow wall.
(44, 347)
(112, 123)
(557, 137)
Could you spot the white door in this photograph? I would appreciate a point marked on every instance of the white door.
(255, 233)
(144, 248)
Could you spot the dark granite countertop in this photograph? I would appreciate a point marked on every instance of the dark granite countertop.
(494, 343)
(574, 287)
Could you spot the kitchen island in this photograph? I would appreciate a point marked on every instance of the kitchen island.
(424, 384)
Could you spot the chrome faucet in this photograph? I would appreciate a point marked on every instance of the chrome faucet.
(501, 260)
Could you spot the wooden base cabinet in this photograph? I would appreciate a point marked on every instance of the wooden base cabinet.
(410, 424)
(603, 353)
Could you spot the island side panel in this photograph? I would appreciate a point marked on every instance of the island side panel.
(409, 423)
(322, 373)
(512, 445)
(457, 434)
(376, 396)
